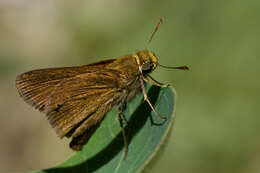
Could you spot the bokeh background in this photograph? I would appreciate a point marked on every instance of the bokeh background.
(218, 121)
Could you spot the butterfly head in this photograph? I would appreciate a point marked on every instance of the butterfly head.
(147, 61)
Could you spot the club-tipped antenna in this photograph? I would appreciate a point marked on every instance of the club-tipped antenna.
(155, 30)
(179, 67)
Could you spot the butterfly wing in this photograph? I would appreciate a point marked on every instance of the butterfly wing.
(65, 94)
(34, 86)
(76, 99)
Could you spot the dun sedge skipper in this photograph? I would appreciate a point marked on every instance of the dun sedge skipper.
(76, 99)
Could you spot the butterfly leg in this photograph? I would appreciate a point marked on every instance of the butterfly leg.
(121, 112)
(120, 118)
(155, 82)
(148, 101)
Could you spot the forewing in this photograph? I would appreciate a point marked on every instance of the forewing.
(35, 86)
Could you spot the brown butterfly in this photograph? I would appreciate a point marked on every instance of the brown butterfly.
(76, 99)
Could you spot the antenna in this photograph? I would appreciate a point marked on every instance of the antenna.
(155, 30)
(179, 68)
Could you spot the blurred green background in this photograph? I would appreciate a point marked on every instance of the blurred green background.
(217, 125)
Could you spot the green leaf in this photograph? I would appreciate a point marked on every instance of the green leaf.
(145, 134)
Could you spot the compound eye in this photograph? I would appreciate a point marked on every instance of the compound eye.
(147, 67)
